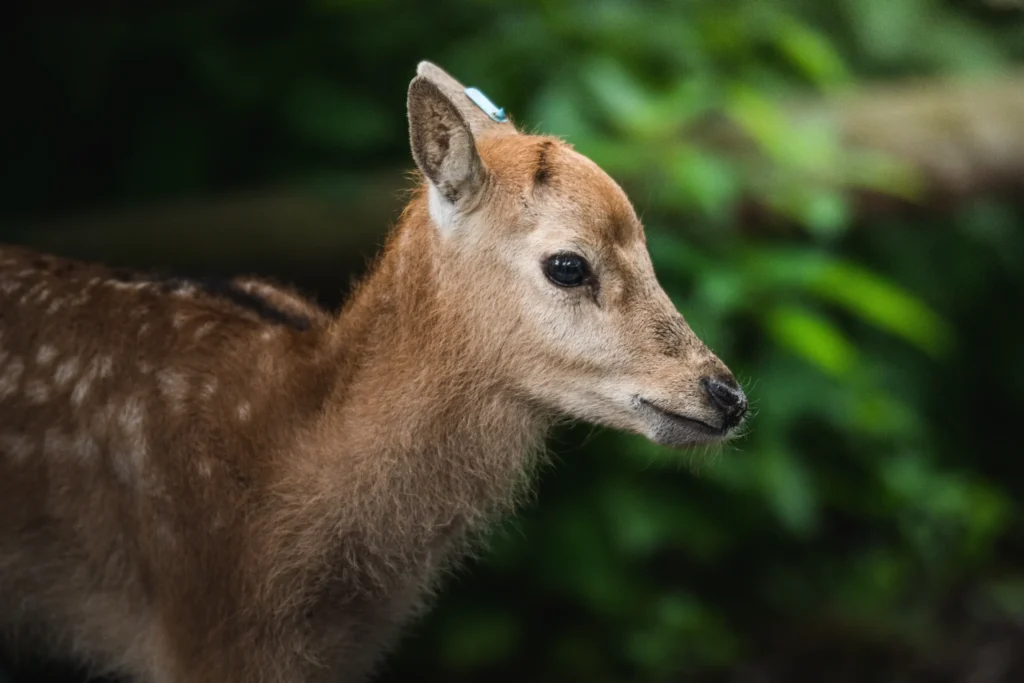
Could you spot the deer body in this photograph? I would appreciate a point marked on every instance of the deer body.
(205, 482)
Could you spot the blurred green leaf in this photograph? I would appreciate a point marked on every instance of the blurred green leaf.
(703, 181)
(811, 52)
(825, 213)
(883, 304)
(854, 288)
(557, 110)
(621, 98)
(761, 118)
(813, 338)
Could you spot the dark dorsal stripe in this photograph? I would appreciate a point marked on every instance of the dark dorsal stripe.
(542, 174)
(223, 289)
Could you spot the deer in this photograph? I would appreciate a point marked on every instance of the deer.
(221, 481)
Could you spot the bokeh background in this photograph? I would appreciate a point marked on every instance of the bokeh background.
(833, 197)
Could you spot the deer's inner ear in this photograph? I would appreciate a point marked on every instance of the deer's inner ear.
(442, 143)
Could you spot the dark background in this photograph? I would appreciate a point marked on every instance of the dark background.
(832, 192)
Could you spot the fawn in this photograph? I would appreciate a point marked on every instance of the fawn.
(224, 483)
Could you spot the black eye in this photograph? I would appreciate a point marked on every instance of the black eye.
(566, 269)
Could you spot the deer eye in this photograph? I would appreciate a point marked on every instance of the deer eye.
(567, 269)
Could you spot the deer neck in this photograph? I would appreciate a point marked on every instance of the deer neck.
(423, 437)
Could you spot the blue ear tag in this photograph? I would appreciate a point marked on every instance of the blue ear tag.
(489, 107)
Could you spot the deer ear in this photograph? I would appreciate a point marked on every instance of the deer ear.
(442, 143)
(481, 119)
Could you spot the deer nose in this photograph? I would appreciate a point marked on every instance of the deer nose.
(727, 396)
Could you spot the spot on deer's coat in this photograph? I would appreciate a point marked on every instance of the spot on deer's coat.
(31, 292)
(66, 372)
(131, 417)
(46, 354)
(81, 389)
(174, 387)
(131, 420)
(203, 330)
(244, 411)
(185, 291)
(85, 382)
(209, 388)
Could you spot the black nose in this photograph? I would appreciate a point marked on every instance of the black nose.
(726, 395)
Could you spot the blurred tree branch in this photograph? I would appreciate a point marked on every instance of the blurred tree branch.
(964, 139)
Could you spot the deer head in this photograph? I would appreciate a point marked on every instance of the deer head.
(544, 251)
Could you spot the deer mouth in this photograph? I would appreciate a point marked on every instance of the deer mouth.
(675, 429)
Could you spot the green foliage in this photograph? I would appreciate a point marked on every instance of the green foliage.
(874, 495)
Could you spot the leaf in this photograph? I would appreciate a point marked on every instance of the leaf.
(882, 415)
(851, 286)
(825, 213)
(705, 181)
(556, 110)
(759, 117)
(723, 290)
(619, 95)
(811, 52)
(813, 338)
(884, 304)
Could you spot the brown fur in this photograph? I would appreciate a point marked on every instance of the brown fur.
(199, 486)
